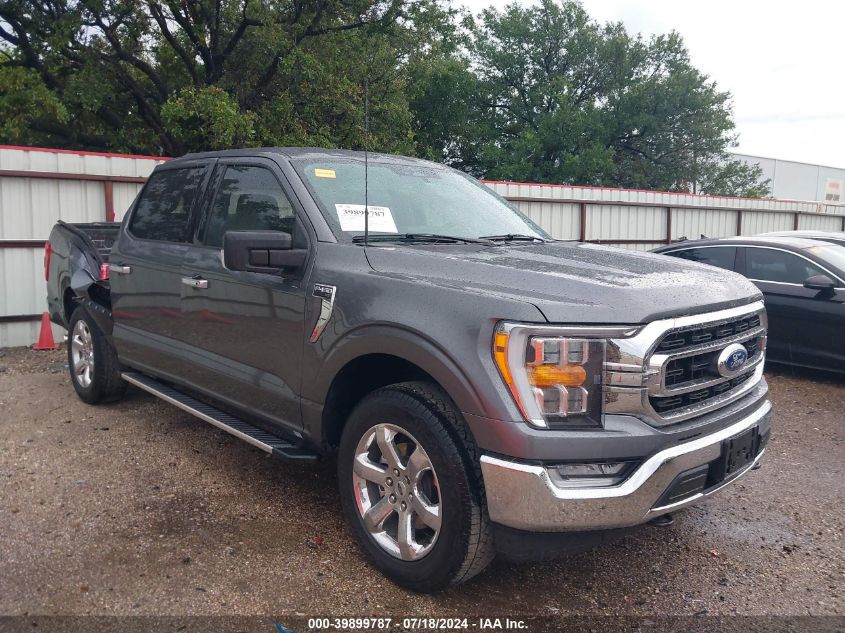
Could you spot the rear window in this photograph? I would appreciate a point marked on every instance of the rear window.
(720, 256)
(164, 208)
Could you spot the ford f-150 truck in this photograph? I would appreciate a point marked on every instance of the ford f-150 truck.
(485, 387)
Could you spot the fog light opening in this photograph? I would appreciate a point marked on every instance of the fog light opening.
(590, 474)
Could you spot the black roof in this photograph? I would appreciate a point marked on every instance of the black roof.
(313, 153)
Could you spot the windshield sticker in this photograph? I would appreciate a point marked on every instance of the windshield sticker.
(324, 173)
(351, 218)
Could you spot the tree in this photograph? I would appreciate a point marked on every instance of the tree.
(732, 177)
(556, 97)
(172, 75)
(537, 93)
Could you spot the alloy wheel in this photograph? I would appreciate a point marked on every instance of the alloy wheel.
(82, 354)
(397, 492)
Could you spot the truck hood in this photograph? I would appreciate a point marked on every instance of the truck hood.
(571, 282)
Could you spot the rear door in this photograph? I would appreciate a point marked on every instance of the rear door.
(805, 325)
(246, 330)
(146, 269)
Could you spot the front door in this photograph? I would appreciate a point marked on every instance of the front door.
(246, 329)
(805, 325)
(146, 269)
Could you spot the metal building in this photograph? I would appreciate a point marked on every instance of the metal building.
(39, 186)
(800, 181)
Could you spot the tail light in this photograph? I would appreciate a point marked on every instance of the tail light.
(48, 251)
(104, 272)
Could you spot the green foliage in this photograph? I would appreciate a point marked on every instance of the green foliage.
(170, 76)
(732, 177)
(538, 92)
(322, 104)
(23, 98)
(207, 119)
(565, 100)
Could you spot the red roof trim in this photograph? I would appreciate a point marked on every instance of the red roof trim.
(52, 150)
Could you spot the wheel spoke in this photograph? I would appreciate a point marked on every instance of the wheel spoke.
(408, 547)
(384, 438)
(429, 514)
(417, 463)
(375, 516)
(369, 470)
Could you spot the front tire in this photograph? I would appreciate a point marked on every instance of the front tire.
(93, 364)
(411, 488)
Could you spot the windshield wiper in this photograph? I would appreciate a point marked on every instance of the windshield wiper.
(429, 238)
(512, 237)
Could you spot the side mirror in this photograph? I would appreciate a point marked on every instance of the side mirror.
(819, 282)
(260, 251)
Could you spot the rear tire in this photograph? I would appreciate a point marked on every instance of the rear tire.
(414, 430)
(93, 364)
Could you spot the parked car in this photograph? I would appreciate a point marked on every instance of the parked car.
(485, 387)
(834, 237)
(802, 282)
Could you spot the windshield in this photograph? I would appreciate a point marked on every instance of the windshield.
(405, 198)
(832, 254)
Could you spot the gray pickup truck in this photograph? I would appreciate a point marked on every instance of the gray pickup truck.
(485, 387)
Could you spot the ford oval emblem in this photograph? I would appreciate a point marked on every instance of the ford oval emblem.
(732, 360)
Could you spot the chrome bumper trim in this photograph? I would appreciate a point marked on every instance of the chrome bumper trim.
(523, 496)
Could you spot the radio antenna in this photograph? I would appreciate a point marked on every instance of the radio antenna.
(366, 157)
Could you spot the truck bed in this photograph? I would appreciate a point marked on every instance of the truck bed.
(99, 236)
(75, 259)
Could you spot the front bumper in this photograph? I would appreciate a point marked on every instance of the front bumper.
(524, 496)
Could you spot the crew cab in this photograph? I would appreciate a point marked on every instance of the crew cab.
(485, 388)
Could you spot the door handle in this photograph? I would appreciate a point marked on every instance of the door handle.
(120, 269)
(195, 282)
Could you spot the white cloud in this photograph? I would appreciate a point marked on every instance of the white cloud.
(782, 62)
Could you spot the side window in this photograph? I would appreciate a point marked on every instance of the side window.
(249, 199)
(164, 208)
(721, 256)
(766, 264)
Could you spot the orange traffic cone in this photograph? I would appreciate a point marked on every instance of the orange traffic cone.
(45, 338)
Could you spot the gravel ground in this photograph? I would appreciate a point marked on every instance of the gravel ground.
(137, 508)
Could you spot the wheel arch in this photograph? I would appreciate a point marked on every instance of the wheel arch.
(353, 370)
(69, 302)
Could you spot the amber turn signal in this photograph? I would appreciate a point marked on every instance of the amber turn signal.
(500, 355)
(570, 375)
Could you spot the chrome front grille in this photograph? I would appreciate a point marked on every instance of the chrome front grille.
(664, 405)
(668, 372)
(689, 368)
(676, 341)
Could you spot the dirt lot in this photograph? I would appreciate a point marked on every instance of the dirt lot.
(137, 508)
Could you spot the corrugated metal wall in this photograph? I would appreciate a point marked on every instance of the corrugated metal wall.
(644, 219)
(39, 186)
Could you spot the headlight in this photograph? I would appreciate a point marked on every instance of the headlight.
(554, 374)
